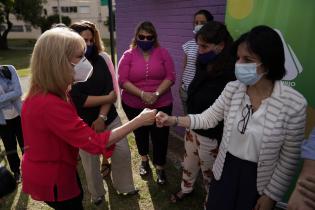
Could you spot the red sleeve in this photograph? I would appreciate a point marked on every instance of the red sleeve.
(124, 67)
(63, 121)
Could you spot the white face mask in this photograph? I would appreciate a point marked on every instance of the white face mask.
(82, 70)
(197, 28)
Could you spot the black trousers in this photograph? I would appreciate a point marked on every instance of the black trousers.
(236, 190)
(71, 204)
(159, 136)
(10, 133)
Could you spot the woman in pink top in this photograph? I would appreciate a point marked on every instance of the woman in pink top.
(53, 132)
(146, 74)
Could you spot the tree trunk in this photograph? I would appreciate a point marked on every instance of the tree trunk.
(4, 36)
(3, 43)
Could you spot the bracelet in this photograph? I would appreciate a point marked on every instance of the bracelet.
(176, 121)
(142, 92)
(103, 117)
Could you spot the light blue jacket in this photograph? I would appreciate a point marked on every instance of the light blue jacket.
(308, 147)
(13, 93)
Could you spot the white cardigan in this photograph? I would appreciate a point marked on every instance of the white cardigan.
(282, 135)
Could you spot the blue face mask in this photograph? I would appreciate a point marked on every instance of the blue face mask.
(205, 58)
(89, 51)
(145, 45)
(247, 73)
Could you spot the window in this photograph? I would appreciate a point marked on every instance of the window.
(28, 28)
(84, 9)
(17, 28)
(73, 9)
(65, 9)
(55, 10)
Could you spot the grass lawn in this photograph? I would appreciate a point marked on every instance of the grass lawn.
(18, 58)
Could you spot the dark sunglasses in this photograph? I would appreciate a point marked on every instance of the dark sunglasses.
(142, 37)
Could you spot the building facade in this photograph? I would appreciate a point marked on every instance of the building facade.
(91, 10)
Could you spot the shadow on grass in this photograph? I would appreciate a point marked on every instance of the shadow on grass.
(160, 195)
(120, 202)
(8, 201)
(22, 202)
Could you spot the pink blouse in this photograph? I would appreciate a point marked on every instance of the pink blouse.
(146, 75)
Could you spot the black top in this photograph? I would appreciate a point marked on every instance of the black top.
(100, 83)
(204, 90)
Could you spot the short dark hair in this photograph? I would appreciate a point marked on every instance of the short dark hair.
(148, 27)
(267, 44)
(205, 13)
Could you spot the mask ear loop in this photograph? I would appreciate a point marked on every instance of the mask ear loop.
(262, 74)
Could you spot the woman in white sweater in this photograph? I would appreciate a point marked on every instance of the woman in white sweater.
(264, 124)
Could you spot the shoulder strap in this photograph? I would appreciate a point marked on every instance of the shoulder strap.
(111, 68)
(6, 72)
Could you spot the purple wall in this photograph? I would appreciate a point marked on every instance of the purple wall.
(173, 20)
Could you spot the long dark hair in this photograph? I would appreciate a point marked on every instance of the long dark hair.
(97, 41)
(205, 13)
(215, 32)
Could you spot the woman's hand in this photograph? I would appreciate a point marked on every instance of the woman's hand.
(98, 125)
(307, 188)
(149, 98)
(162, 119)
(300, 202)
(147, 117)
(264, 203)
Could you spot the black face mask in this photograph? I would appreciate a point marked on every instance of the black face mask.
(6, 72)
(205, 58)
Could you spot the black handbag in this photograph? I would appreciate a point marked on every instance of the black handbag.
(6, 72)
(7, 182)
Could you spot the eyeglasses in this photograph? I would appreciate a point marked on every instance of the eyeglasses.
(142, 37)
(242, 124)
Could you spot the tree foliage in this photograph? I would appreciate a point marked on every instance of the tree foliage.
(47, 22)
(29, 11)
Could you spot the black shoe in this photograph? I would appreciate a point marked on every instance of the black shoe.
(161, 178)
(144, 168)
(132, 192)
(17, 177)
(98, 200)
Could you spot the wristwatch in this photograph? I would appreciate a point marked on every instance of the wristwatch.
(157, 93)
(103, 117)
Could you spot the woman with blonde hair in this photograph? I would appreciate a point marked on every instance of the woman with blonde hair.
(53, 132)
(94, 101)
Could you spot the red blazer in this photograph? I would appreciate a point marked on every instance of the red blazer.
(53, 134)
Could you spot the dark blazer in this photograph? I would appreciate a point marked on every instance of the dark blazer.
(204, 90)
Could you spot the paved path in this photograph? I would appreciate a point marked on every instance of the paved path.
(25, 81)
